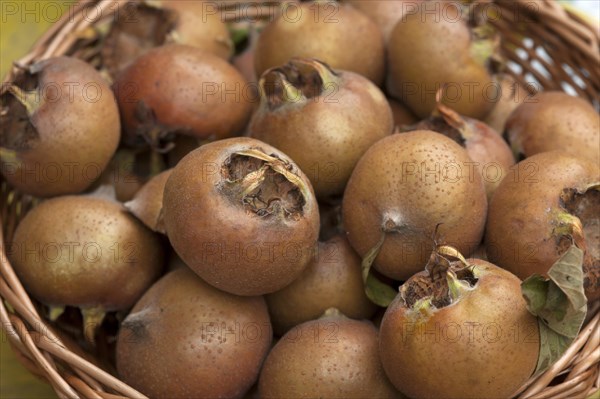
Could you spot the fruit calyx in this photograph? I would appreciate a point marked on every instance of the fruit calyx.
(151, 14)
(264, 184)
(445, 120)
(150, 132)
(19, 104)
(296, 82)
(442, 283)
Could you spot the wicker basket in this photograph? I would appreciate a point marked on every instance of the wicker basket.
(546, 44)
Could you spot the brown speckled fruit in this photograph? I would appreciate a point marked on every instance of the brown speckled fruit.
(142, 26)
(435, 46)
(490, 153)
(327, 31)
(474, 339)
(181, 89)
(385, 13)
(85, 252)
(59, 129)
(547, 199)
(333, 279)
(241, 215)
(405, 186)
(147, 203)
(555, 121)
(186, 339)
(332, 357)
(323, 119)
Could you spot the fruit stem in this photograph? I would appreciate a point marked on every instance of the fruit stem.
(370, 257)
(92, 319)
(332, 313)
(31, 100)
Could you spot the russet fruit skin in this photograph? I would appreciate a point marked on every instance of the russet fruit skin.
(491, 153)
(328, 32)
(324, 134)
(142, 27)
(407, 184)
(71, 135)
(181, 89)
(332, 357)
(200, 26)
(426, 51)
(246, 244)
(492, 156)
(331, 280)
(87, 252)
(386, 13)
(186, 339)
(147, 203)
(555, 121)
(525, 215)
(485, 345)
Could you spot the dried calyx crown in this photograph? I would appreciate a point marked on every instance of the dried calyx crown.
(296, 82)
(443, 283)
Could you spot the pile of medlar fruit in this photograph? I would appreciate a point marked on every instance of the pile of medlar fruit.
(333, 200)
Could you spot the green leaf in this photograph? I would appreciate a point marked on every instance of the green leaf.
(238, 35)
(559, 303)
(552, 346)
(378, 292)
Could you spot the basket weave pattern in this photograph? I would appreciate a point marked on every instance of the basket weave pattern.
(545, 44)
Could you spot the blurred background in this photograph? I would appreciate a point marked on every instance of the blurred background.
(18, 31)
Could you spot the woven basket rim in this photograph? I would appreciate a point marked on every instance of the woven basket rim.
(70, 375)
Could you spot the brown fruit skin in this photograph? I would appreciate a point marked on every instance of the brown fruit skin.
(327, 135)
(492, 156)
(402, 115)
(200, 25)
(333, 357)
(426, 51)
(107, 258)
(78, 131)
(387, 187)
(185, 88)
(186, 339)
(496, 352)
(512, 94)
(325, 31)
(142, 27)
(220, 240)
(332, 279)
(522, 215)
(147, 202)
(491, 153)
(555, 121)
(386, 13)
